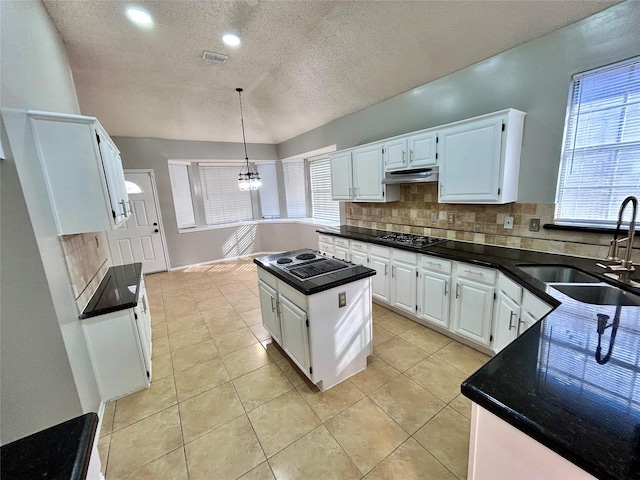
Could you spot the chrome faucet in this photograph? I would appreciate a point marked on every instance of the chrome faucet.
(623, 270)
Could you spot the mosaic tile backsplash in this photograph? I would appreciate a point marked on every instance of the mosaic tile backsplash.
(419, 212)
(88, 259)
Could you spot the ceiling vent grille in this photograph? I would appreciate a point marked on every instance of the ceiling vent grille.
(215, 57)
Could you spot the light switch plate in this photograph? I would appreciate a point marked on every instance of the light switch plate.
(451, 217)
(508, 222)
(534, 225)
(434, 216)
(342, 299)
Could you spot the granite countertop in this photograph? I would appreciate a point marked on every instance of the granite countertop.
(318, 284)
(118, 290)
(61, 452)
(550, 383)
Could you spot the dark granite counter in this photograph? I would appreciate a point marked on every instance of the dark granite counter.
(118, 290)
(318, 284)
(61, 452)
(551, 382)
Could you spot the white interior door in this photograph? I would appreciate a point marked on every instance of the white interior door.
(140, 238)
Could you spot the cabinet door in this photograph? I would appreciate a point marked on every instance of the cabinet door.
(525, 322)
(434, 289)
(295, 333)
(341, 178)
(470, 162)
(506, 322)
(422, 150)
(269, 308)
(380, 284)
(341, 252)
(403, 286)
(359, 258)
(367, 173)
(395, 154)
(473, 309)
(114, 176)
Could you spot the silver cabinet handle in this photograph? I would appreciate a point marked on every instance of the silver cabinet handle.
(129, 207)
(511, 320)
(386, 270)
(124, 207)
(471, 272)
(520, 322)
(393, 272)
(457, 290)
(350, 192)
(273, 306)
(410, 156)
(404, 155)
(446, 287)
(144, 304)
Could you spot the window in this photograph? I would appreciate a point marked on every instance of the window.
(295, 186)
(223, 200)
(322, 207)
(600, 163)
(181, 189)
(269, 201)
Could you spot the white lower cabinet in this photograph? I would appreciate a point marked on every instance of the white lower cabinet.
(325, 244)
(434, 287)
(119, 345)
(506, 322)
(328, 342)
(473, 310)
(404, 269)
(380, 261)
(295, 333)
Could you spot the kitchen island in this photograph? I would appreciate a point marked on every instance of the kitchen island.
(570, 400)
(318, 310)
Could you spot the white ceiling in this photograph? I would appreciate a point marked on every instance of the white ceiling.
(301, 63)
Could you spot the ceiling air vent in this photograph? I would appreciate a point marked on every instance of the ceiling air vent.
(215, 57)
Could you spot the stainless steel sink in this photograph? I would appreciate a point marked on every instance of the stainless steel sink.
(557, 274)
(599, 294)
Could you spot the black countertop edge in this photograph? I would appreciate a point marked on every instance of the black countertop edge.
(115, 291)
(59, 452)
(318, 284)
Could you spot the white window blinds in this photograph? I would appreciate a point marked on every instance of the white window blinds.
(600, 162)
(295, 187)
(181, 191)
(268, 191)
(223, 200)
(322, 206)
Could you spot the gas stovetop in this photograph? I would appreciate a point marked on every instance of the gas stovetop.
(409, 239)
(308, 264)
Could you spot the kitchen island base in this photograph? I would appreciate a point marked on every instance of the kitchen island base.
(499, 451)
(327, 335)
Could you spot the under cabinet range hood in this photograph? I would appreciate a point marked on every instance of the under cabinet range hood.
(415, 175)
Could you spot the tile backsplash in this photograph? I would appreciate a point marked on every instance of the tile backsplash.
(419, 212)
(88, 259)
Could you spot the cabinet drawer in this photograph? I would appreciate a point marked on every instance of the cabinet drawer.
(293, 295)
(536, 307)
(359, 246)
(322, 238)
(268, 278)
(341, 242)
(384, 252)
(406, 257)
(436, 264)
(510, 288)
(482, 275)
(326, 247)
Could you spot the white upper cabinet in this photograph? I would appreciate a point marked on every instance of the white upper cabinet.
(356, 175)
(480, 159)
(422, 149)
(83, 172)
(395, 154)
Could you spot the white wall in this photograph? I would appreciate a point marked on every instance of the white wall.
(533, 77)
(46, 376)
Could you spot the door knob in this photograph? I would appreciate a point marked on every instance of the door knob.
(156, 230)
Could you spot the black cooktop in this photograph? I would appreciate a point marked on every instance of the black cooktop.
(313, 268)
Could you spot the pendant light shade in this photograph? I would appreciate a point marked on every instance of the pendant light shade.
(248, 178)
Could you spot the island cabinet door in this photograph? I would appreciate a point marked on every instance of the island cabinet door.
(295, 334)
(269, 308)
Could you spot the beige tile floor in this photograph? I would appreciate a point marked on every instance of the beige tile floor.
(225, 402)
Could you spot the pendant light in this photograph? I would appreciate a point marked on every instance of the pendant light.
(248, 178)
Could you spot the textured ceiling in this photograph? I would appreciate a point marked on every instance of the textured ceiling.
(301, 63)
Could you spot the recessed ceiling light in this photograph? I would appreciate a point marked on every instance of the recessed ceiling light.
(231, 39)
(139, 16)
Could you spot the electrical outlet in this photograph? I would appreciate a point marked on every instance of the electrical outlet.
(342, 299)
(508, 222)
(434, 216)
(534, 225)
(451, 217)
